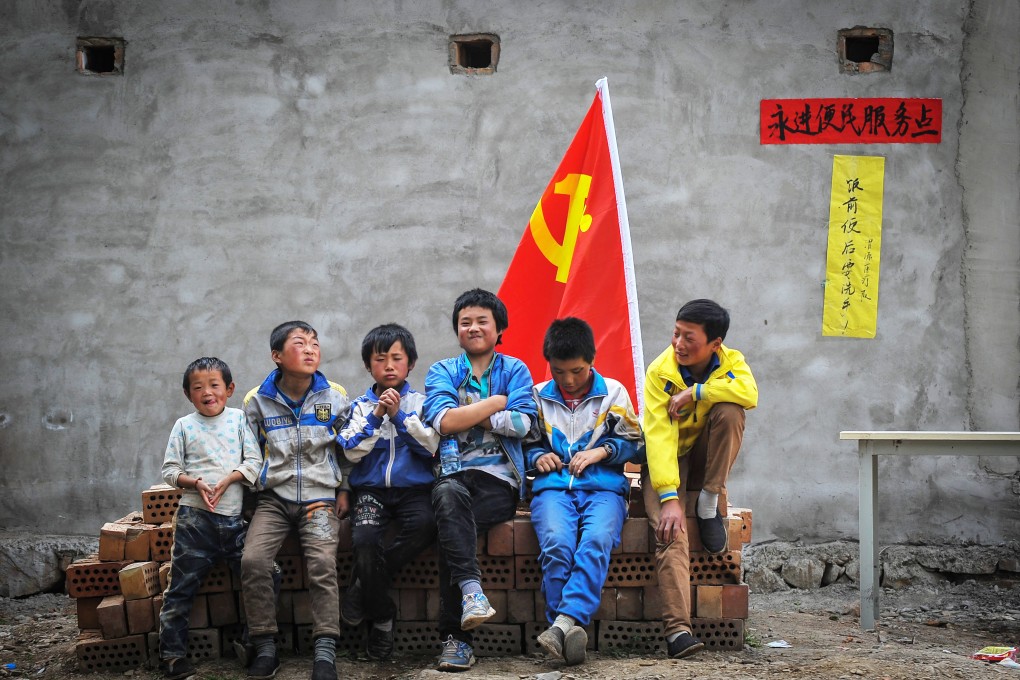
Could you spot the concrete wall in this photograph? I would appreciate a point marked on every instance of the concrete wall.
(261, 161)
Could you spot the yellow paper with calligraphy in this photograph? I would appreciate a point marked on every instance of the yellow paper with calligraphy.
(855, 247)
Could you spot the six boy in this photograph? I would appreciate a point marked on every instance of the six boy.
(483, 406)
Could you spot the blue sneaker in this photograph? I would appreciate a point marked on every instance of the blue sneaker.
(456, 656)
(476, 611)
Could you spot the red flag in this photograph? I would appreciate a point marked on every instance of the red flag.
(575, 258)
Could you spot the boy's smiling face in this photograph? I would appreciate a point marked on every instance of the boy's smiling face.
(390, 368)
(476, 330)
(208, 392)
(300, 354)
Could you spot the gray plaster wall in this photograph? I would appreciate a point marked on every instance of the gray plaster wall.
(315, 159)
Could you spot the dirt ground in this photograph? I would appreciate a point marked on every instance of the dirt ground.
(924, 632)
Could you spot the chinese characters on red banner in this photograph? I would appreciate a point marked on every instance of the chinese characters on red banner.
(851, 121)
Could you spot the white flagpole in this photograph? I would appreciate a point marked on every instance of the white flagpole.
(628, 256)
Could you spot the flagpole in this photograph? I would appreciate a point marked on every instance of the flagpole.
(602, 86)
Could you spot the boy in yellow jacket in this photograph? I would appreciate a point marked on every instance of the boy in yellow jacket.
(696, 393)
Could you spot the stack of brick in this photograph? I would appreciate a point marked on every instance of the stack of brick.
(119, 593)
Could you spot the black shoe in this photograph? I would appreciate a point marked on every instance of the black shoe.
(264, 667)
(713, 533)
(551, 640)
(323, 670)
(177, 669)
(380, 643)
(575, 645)
(352, 609)
(683, 646)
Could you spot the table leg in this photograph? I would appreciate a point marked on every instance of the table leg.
(867, 520)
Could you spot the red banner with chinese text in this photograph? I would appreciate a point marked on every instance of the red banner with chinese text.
(851, 121)
(575, 259)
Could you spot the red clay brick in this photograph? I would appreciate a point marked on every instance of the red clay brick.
(95, 654)
(718, 569)
(651, 603)
(222, 608)
(411, 604)
(157, 606)
(628, 604)
(345, 544)
(500, 540)
(498, 573)
(607, 605)
(632, 570)
(112, 537)
(218, 580)
(112, 617)
(159, 503)
(199, 613)
(302, 607)
(139, 616)
(734, 601)
(525, 538)
(139, 580)
(86, 607)
(498, 600)
(285, 607)
(633, 537)
(432, 604)
(527, 575)
(164, 576)
(520, 606)
(709, 602)
(161, 542)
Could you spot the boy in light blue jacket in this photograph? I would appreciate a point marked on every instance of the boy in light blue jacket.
(392, 479)
(480, 402)
(587, 430)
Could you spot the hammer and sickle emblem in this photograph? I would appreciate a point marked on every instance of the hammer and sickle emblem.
(561, 254)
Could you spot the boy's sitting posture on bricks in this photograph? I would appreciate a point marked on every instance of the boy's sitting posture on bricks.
(209, 451)
(587, 430)
(392, 481)
(296, 414)
(481, 403)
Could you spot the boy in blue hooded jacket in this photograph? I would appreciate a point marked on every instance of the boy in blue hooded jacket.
(587, 430)
(480, 402)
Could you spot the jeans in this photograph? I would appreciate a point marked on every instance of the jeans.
(375, 563)
(466, 504)
(318, 528)
(576, 532)
(201, 539)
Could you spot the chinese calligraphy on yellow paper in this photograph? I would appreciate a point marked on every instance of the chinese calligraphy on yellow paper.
(855, 246)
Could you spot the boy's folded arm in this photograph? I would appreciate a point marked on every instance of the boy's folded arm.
(251, 456)
(514, 424)
(359, 435)
(661, 437)
(420, 438)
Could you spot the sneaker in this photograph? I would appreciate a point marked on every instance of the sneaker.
(324, 670)
(477, 611)
(380, 644)
(575, 644)
(552, 641)
(683, 646)
(177, 669)
(456, 656)
(713, 533)
(352, 610)
(263, 667)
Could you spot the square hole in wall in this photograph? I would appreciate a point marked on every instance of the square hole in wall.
(475, 53)
(864, 50)
(100, 56)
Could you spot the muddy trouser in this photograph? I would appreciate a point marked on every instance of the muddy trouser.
(706, 466)
(201, 540)
(318, 528)
(375, 562)
(466, 504)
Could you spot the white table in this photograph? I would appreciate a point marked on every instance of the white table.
(871, 445)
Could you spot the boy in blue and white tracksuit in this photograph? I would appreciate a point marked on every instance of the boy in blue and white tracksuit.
(392, 480)
(587, 430)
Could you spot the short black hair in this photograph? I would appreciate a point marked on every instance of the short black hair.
(381, 338)
(206, 364)
(569, 338)
(280, 334)
(477, 297)
(710, 314)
